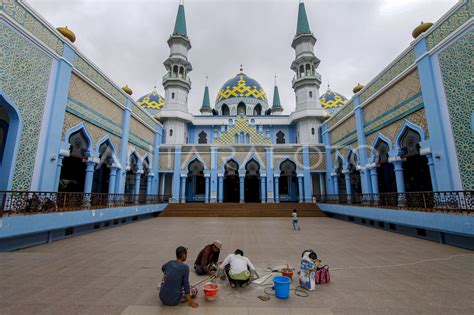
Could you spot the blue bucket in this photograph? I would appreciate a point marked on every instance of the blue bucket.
(282, 287)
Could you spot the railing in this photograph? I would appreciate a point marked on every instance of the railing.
(461, 202)
(27, 202)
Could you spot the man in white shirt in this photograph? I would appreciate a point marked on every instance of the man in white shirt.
(238, 268)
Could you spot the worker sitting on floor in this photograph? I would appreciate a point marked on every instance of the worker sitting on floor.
(206, 261)
(238, 268)
(175, 287)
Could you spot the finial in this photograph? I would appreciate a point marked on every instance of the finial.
(275, 79)
(181, 2)
(206, 80)
(241, 68)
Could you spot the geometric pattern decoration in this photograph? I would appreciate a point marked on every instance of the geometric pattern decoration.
(344, 131)
(346, 109)
(453, 22)
(141, 135)
(456, 64)
(241, 86)
(144, 115)
(242, 125)
(24, 76)
(332, 99)
(399, 93)
(15, 10)
(166, 160)
(152, 102)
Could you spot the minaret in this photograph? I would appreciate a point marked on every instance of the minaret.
(177, 83)
(306, 81)
(206, 104)
(276, 107)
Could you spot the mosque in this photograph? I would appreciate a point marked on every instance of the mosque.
(65, 126)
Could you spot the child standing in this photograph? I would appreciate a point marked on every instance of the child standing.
(295, 220)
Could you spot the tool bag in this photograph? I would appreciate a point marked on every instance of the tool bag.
(322, 275)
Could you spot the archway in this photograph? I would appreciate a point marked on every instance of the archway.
(241, 109)
(354, 174)
(195, 182)
(385, 173)
(231, 182)
(415, 168)
(144, 180)
(252, 181)
(9, 136)
(257, 111)
(225, 110)
(202, 137)
(100, 182)
(288, 184)
(73, 171)
(341, 180)
(130, 177)
(280, 137)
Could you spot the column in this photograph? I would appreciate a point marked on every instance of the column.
(58, 172)
(214, 181)
(431, 165)
(374, 178)
(263, 191)
(362, 154)
(276, 179)
(335, 181)
(138, 176)
(329, 167)
(149, 183)
(347, 178)
(183, 188)
(308, 183)
(242, 187)
(269, 162)
(300, 188)
(120, 180)
(399, 178)
(220, 197)
(207, 180)
(90, 168)
(322, 185)
(112, 178)
(176, 175)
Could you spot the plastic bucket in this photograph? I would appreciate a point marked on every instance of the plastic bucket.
(282, 287)
(210, 291)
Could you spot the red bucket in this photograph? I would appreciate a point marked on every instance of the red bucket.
(210, 291)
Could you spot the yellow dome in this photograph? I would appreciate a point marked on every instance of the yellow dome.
(67, 33)
(357, 88)
(127, 90)
(423, 27)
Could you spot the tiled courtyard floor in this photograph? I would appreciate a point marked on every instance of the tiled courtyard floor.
(117, 270)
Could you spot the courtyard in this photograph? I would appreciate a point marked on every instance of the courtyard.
(117, 271)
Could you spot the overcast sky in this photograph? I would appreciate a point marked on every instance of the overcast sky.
(127, 39)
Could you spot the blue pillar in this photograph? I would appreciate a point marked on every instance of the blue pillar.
(156, 162)
(398, 168)
(362, 150)
(327, 146)
(120, 186)
(112, 178)
(207, 180)
(242, 187)
(448, 177)
(300, 188)
(335, 181)
(214, 183)
(58, 173)
(53, 121)
(176, 174)
(375, 180)
(138, 176)
(183, 188)
(271, 195)
(90, 168)
(263, 191)
(431, 165)
(347, 178)
(308, 183)
(220, 197)
(149, 183)
(276, 179)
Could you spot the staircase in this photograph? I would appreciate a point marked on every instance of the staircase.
(241, 210)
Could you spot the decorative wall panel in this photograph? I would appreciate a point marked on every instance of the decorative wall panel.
(24, 76)
(141, 136)
(242, 125)
(137, 110)
(344, 133)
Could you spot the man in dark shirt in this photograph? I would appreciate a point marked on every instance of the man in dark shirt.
(206, 261)
(175, 287)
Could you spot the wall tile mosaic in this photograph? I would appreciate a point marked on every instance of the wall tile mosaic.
(24, 76)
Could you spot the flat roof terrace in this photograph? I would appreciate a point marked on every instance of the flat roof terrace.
(117, 270)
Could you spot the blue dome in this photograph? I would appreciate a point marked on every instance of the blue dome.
(241, 86)
(332, 99)
(152, 102)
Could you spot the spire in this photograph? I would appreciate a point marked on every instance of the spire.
(180, 25)
(206, 104)
(276, 98)
(303, 25)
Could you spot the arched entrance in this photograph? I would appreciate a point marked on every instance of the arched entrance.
(341, 180)
(130, 177)
(252, 181)
(288, 184)
(231, 182)
(100, 182)
(143, 191)
(9, 136)
(195, 182)
(257, 111)
(415, 168)
(241, 109)
(385, 173)
(73, 171)
(356, 187)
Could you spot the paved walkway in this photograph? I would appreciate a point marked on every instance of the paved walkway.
(117, 270)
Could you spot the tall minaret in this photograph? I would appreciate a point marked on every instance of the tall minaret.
(307, 81)
(177, 83)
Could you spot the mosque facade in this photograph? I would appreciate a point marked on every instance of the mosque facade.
(65, 126)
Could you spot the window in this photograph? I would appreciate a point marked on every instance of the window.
(225, 110)
(202, 137)
(171, 132)
(172, 95)
(241, 109)
(257, 111)
(312, 129)
(242, 138)
(280, 137)
(236, 138)
(247, 138)
(310, 94)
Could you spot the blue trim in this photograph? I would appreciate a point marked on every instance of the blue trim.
(269, 162)
(7, 166)
(308, 183)
(401, 104)
(329, 166)
(362, 152)
(176, 174)
(89, 109)
(120, 182)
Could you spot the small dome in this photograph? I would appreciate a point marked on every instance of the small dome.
(67, 33)
(423, 27)
(152, 102)
(357, 88)
(241, 86)
(127, 90)
(332, 101)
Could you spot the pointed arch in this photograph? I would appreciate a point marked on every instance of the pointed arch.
(225, 110)
(196, 158)
(338, 155)
(81, 127)
(408, 125)
(379, 138)
(248, 159)
(228, 159)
